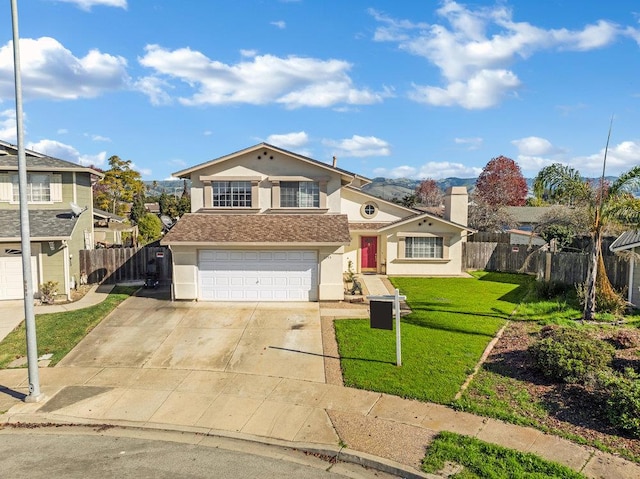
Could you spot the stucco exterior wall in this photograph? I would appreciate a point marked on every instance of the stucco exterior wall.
(271, 165)
(330, 279)
(185, 272)
(450, 265)
(352, 205)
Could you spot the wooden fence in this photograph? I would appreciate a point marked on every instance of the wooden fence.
(114, 265)
(563, 267)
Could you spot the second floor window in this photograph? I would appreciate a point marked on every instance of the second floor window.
(299, 194)
(231, 194)
(38, 188)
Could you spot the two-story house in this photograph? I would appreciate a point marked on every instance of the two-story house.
(57, 234)
(268, 224)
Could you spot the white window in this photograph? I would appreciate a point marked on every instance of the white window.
(38, 188)
(299, 194)
(231, 194)
(423, 247)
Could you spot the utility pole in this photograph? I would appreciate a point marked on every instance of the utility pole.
(25, 233)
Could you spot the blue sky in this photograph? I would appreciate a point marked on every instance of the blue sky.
(410, 89)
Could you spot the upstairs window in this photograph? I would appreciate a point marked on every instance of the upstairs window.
(423, 247)
(299, 194)
(231, 194)
(38, 188)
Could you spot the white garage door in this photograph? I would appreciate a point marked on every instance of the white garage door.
(11, 286)
(227, 275)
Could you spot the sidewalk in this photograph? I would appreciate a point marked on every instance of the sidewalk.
(383, 431)
(13, 311)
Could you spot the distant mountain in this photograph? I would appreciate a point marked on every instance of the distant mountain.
(170, 187)
(390, 188)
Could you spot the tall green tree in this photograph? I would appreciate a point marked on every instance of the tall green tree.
(118, 187)
(606, 205)
(138, 209)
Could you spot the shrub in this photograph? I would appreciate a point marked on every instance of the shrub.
(550, 289)
(622, 405)
(607, 301)
(571, 355)
(48, 291)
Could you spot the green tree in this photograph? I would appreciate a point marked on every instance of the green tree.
(138, 209)
(149, 228)
(119, 186)
(606, 205)
(169, 205)
(409, 200)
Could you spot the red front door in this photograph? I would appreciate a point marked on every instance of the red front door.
(369, 253)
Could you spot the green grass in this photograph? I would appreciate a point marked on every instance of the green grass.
(452, 321)
(58, 333)
(488, 461)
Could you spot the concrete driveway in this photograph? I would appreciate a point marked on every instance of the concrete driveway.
(271, 339)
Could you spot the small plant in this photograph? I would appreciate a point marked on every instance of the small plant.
(48, 292)
(350, 274)
(571, 355)
(622, 405)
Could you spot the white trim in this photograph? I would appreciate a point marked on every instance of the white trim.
(66, 268)
(630, 292)
(75, 188)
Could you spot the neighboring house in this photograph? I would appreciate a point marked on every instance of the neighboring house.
(108, 229)
(268, 224)
(528, 238)
(630, 241)
(527, 217)
(57, 234)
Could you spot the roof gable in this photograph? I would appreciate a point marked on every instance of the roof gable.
(266, 150)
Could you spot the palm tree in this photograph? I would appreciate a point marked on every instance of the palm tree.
(607, 204)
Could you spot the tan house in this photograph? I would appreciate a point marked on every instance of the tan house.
(57, 233)
(268, 224)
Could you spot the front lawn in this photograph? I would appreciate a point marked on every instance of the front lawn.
(58, 333)
(488, 461)
(452, 322)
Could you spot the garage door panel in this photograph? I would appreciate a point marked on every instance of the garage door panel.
(11, 284)
(258, 275)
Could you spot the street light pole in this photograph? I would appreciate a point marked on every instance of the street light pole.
(25, 234)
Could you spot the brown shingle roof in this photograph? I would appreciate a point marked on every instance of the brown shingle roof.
(262, 228)
(366, 226)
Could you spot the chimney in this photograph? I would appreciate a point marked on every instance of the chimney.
(456, 205)
(335, 161)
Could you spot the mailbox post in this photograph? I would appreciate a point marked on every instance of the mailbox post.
(377, 322)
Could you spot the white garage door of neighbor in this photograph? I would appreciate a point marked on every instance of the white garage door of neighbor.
(227, 275)
(11, 285)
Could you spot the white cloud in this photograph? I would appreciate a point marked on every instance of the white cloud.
(207, 133)
(483, 90)
(292, 81)
(296, 139)
(154, 88)
(433, 169)
(531, 165)
(534, 146)
(473, 48)
(145, 172)
(281, 24)
(49, 70)
(620, 158)
(62, 131)
(472, 143)
(359, 146)
(99, 137)
(62, 151)
(8, 127)
(89, 4)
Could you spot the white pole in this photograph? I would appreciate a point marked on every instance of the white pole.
(25, 233)
(396, 303)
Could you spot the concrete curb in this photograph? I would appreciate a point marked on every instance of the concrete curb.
(330, 453)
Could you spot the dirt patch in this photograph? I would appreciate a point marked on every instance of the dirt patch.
(572, 409)
(79, 292)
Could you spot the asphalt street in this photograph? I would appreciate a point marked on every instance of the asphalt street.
(45, 453)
